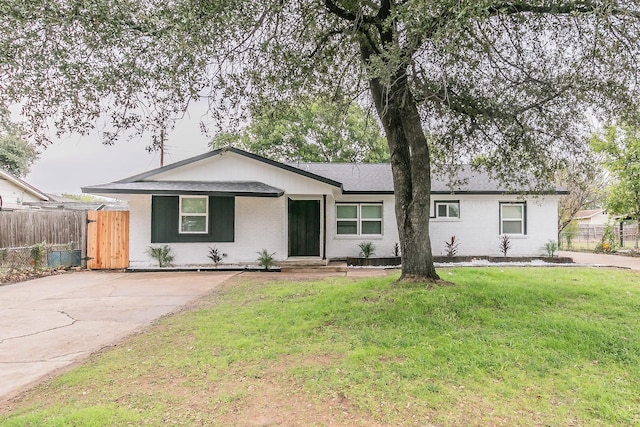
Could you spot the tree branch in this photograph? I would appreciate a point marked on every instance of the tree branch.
(560, 9)
(349, 16)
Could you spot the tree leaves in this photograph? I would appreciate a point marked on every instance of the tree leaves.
(16, 155)
(310, 130)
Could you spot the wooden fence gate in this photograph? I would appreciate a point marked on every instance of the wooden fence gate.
(107, 240)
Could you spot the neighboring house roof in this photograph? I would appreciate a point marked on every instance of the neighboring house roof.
(23, 184)
(588, 213)
(351, 178)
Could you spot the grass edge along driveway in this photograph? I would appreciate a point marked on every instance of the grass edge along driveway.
(504, 346)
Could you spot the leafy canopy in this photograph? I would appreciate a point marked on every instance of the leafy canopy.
(16, 154)
(509, 81)
(310, 131)
(619, 147)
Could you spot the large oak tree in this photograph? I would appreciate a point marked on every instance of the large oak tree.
(511, 82)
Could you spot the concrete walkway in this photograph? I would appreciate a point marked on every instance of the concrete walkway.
(50, 323)
(603, 260)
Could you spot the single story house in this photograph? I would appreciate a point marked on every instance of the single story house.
(16, 194)
(592, 217)
(240, 203)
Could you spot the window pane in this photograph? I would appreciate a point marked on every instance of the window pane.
(512, 227)
(194, 205)
(196, 224)
(371, 227)
(442, 210)
(511, 212)
(372, 211)
(347, 227)
(453, 210)
(347, 211)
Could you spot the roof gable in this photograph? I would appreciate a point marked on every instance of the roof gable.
(589, 213)
(23, 185)
(150, 174)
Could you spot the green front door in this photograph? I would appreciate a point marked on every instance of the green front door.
(304, 227)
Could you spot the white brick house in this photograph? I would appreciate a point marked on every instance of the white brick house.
(241, 203)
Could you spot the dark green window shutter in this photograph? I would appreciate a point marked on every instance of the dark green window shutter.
(221, 218)
(165, 221)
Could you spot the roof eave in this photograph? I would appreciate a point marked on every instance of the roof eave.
(93, 190)
(505, 193)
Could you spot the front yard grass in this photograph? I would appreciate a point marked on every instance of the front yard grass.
(503, 346)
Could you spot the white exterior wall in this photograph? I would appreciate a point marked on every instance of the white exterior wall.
(478, 228)
(259, 223)
(13, 196)
(262, 223)
(339, 246)
(139, 230)
(597, 219)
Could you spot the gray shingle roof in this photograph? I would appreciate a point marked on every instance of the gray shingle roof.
(230, 188)
(354, 178)
(377, 178)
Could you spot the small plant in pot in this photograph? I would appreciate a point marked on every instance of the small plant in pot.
(367, 249)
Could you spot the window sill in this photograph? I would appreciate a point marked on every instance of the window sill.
(446, 220)
(359, 237)
(515, 236)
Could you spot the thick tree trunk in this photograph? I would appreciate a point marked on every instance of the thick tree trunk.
(410, 164)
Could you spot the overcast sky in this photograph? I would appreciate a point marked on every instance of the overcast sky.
(77, 161)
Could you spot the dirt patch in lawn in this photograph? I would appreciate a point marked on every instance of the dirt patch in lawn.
(274, 399)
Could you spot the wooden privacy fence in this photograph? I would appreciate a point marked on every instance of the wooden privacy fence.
(26, 228)
(107, 240)
(101, 236)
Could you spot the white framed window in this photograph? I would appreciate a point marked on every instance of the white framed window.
(194, 215)
(359, 219)
(448, 209)
(513, 218)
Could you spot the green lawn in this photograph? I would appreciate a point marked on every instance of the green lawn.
(512, 346)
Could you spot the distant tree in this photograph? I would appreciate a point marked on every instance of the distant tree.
(83, 197)
(585, 179)
(310, 131)
(16, 154)
(619, 147)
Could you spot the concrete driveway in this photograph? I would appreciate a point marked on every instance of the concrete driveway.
(603, 260)
(50, 323)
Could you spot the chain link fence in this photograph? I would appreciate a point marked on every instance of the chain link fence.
(623, 236)
(41, 256)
